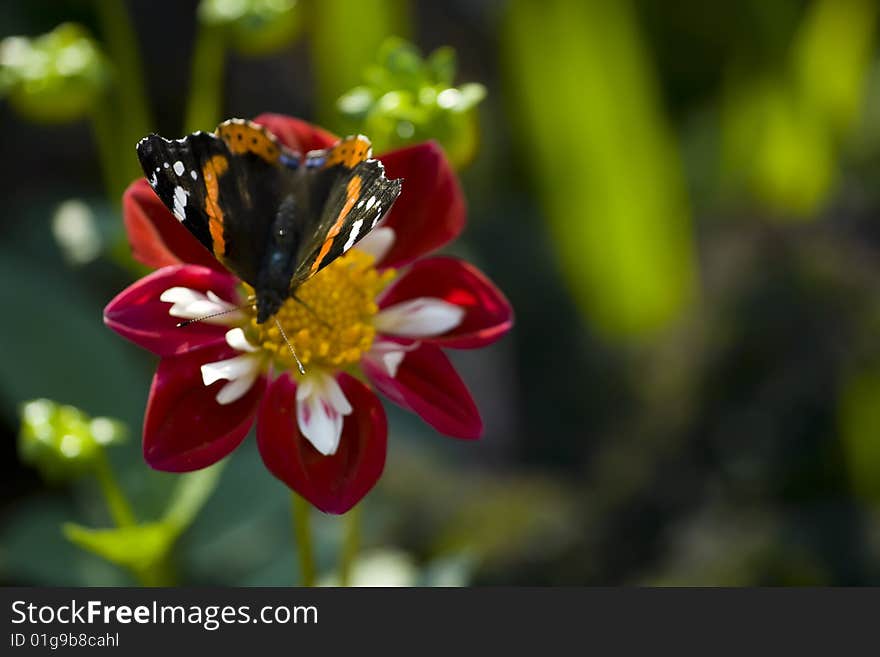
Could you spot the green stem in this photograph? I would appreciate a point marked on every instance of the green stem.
(105, 137)
(351, 543)
(302, 533)
(160, 573)
(206, 80)
(120, 509)
(132, 119)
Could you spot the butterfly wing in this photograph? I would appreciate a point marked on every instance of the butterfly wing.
(225, 188)
(271, 216)
(352, 194)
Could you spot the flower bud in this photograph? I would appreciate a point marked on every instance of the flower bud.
(61, 441)
(407, 99)
(53, 78)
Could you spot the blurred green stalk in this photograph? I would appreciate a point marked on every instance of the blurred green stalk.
(203, 110)
(132, 118)
(859, 418)
(344, 37)
(594, 136)
(108, 149)
(120, 509)
(302, 535)
(351, 543)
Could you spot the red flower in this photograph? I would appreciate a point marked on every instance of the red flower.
(385, 312)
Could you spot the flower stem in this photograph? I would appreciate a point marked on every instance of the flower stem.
(120, 509)
(302, 534)
(158, 574)
(132, 118)
(350, 545)
(105, 137)
(206, 80)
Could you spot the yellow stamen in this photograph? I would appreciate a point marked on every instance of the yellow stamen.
(330, 325)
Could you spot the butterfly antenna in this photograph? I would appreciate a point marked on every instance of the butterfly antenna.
(311, 310)
(195, 320)
(299, 365)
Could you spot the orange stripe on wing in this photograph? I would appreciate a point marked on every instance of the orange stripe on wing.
(352, 193)
(349, 152)
(211, 172)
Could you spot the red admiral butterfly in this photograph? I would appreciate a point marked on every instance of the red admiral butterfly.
(272, 216)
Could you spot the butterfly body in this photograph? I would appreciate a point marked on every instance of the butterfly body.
(273, 216)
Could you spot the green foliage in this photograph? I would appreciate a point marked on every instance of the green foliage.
(344, 37)
(406, 99)
(54, 78)
(145, 549)
(61, 441)
(604, 159)
(783, 129)
(253, 27)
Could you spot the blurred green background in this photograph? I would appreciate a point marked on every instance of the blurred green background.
(680, 200)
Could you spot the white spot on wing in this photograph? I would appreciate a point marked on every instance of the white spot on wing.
(166, 165)
(178, 168)
(194, 175)
(180, 195)
(371, 202)
(352, 236)
(153, 180)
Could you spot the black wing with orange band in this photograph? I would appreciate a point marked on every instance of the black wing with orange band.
(224, 188)
(237, 189)
(355, 195)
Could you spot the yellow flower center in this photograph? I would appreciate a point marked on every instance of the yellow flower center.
(330, 322)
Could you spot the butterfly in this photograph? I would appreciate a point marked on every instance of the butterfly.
(272, 216)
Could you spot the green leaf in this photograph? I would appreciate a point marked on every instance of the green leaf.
(140, 548)
(34, 552)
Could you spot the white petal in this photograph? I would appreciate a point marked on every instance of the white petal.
(419, 318)
(377, 242)
(240, 371)
(388, 356)
(236, 339)
(192, 304)
(238, 388)
(320, 409)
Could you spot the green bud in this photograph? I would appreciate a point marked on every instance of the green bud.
(254, 27)
(53, 78)
(61, 441)
(407, 99)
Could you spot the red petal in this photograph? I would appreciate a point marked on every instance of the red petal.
(428, 385)
(184, 427)
(334, 483)
(488, 314)
(138, 315)
(157, 238)
(295, 134)
(430, 210)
